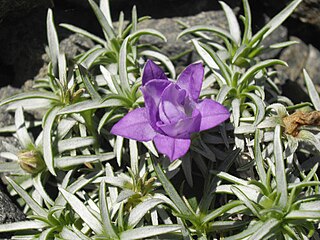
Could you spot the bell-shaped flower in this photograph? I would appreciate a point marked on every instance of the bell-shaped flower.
(172, 112)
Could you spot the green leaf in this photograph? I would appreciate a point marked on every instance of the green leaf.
(88, 84)
(37, 183)
(47, 138)
(68, 234)
(276, 21)
(52, 41)
(204, 55)
(221, 210)
(83, 32)
(30, 95)
(251, 72)
(107, 76)
(138, 212)
(90, 105)
(256, 227)
(216, 30)
(224, 68)
(170, 190)
(82, 211)
(46, 234)
(134, 156)
(123, 73)
(105, 9)
(247, 22)
(258, 158)
(280, 173)
(313, 94)
(244, 198)
(62, 66)
(223, 93)
(72, 161)
(21, 130)
(266, 228)
(107, 29)
(20, 226)
(260, 105)
(148, 31)
(283, 44)
(28, 199)
(74, 143)
(148, 231)
(162, 58)
(232, 22)
(104, 211)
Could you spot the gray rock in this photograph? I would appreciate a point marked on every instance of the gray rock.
(171, 29)
(296, 56)
(9, 212)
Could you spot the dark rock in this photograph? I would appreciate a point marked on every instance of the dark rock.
(296, 56)
(170, 28)
(299, 56)
(9, 212)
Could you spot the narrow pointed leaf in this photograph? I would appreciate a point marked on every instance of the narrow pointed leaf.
(109, 33)
(267, 227)
(280, 174)
(171, 191)
(82, 211)
(137, 213)
(20, 226)
(276, 21)
(52, 41)
(30, 95)
(84, 33)
(89, 85)
(105, 216)
(232, 22)
(105, 9)
(21, 130)
(47, 138)
(28, 199)
(148, 231)
(123, 73)
(313, 94)
(162, 58)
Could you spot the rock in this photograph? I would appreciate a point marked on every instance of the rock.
(299, 56)
(170, 28)
(9, 212)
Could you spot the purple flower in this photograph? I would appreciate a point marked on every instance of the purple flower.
(172, 111)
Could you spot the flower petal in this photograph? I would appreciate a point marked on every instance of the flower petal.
(212, 113)
(171, 107)
(184, 127)
(135, 125)
(152, 71)
(191, 80)
(173, 148)
(152, 92)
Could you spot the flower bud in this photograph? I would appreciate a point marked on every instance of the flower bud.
(31, 161)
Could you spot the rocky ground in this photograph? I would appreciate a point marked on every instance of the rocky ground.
(23, 40)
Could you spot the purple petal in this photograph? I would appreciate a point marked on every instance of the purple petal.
(212, 113)
(173, 148)
(184, 127)
(152, 92)
(134, 125)
(191, 80)
(152, 71)
(171, 107)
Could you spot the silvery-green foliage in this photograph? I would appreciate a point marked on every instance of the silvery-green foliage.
(75, 180)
